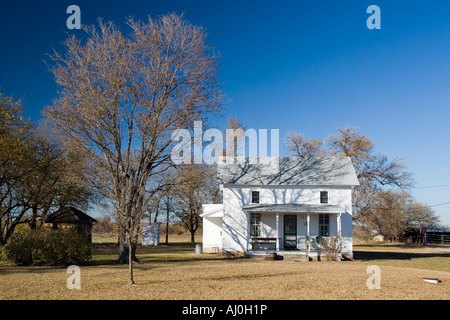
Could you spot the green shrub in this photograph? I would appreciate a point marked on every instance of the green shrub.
(45, 247)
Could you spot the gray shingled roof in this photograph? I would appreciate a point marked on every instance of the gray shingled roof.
(320, 171)
(294, 208)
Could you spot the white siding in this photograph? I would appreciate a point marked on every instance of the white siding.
(212, 232)
(236, 222)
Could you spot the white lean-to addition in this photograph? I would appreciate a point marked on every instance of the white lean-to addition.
(270, 206)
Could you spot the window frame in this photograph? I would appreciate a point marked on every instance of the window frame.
(324, 225)
(255, 224)
(324, 192)
(252, 197)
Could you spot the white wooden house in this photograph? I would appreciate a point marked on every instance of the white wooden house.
(267, 207)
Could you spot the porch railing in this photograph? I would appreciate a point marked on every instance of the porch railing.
(268, 243)
(261, 243)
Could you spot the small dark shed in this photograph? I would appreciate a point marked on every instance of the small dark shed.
(72, 218)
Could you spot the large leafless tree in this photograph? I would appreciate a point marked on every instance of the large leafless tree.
(121, 98)
(375, 171)
(301, 147)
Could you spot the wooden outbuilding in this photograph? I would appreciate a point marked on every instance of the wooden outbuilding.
(72, 218)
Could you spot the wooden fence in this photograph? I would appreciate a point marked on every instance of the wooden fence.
(437, 238)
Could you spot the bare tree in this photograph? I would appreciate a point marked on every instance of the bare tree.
(168, 198)
(299, 146)
(36, 173)
(374, 171)
(196, 184)
(370, 167)
(392, 213)
(122, 97)
(235, 133)
(17, 152)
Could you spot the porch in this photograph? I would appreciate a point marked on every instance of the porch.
(285, 228)
(314, 252)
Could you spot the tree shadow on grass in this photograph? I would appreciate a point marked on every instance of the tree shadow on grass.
(390, 255)
(172, 253)
(13, 269)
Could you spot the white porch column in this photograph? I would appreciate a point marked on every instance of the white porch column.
(277, 232)
(307, 237)
(339, 234)
(339, 227)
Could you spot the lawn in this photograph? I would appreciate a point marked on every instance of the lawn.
(176, 272)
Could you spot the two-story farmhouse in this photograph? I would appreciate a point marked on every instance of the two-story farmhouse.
(267, 207)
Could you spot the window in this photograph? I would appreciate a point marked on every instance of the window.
(323, 196)
(324, 225)
(255, 225)
(255, 196)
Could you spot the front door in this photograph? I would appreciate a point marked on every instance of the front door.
(290, 232)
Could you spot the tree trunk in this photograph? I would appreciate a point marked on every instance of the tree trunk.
(193, 237)
(124, 252)
(167, 225)
(156, 214)
(130, 262)
(33, 222)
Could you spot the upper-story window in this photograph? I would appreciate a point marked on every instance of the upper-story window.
(255, 196)
(323, 196)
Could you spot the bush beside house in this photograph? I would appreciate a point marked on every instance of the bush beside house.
(45, 247)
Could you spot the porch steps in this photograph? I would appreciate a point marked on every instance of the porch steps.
(294, 257)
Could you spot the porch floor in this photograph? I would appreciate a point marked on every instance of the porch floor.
(283, 252)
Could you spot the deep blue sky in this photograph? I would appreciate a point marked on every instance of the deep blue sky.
(308, 66)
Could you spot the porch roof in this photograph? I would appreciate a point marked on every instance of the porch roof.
(212, 211)
(293, 208)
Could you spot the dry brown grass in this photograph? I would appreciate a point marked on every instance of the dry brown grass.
(178, 273)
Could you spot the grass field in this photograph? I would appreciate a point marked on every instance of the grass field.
(176, 272)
